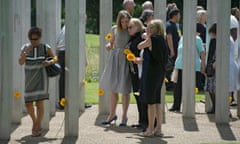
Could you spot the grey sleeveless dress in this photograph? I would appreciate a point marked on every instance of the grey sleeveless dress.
(36, 80)
(116, 76)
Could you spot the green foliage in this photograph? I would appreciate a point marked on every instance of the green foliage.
(92, 47)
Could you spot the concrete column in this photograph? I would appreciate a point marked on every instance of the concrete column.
(105, 27)
(6, 61)
(48, 18)
(189, 52)
(82, 54)
(211, 19)
(160, 13)
(21, 24)
(222, 70)
(73, 16)
(160, 9)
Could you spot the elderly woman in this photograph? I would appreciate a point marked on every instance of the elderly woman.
(34, 55)
(146, 17)
(201, 31)
(135, 30)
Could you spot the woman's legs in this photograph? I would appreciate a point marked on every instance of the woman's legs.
(113, 105)
(30, 111)
(40, 113)
(125, 104)
(158, 117)
(151, 116)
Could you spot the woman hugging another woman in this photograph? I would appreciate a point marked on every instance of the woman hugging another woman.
(154, 62)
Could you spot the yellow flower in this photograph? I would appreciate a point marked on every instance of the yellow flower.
(84, 82)
(196, 90)
(127, 51)
(229, 99)
(130, 57)
(63, 102)
(17, 94)
(108, 37)
(100, 92)
(136, 93)
(166, 80)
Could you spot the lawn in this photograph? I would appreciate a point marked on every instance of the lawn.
(92, 75)
(92, 95)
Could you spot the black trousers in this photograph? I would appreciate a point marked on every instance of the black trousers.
(142, 107)
(61, 61)
(177, 92)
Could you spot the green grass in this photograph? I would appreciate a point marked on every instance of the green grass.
(92, 47)
(92, 95)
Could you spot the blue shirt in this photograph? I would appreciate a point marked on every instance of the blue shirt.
(199, 49)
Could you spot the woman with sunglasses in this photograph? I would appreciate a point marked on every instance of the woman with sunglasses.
(33, 55)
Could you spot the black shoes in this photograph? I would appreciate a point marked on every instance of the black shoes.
(172, 109)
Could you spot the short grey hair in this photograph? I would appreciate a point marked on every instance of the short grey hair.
(147, 3)
(126, 1)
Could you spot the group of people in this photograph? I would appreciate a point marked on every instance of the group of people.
(144, 75)
(146, 39)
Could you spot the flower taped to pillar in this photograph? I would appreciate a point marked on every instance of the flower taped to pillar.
(84, 82)
(17, 94)
(108, 37)
(196, 90)
(229, 99)
(63, 102)
(100, 92)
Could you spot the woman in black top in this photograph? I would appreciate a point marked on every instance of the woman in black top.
(211, 61)
(154, 61)
(135, 30)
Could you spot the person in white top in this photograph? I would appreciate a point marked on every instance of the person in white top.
(60, 47)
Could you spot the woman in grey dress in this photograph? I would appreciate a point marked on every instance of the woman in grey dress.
(116, 77)
(33, 55)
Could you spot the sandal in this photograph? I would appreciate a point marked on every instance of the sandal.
(158, 133)
(147, 133)
(36, 133)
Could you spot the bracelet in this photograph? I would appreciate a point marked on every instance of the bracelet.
(25, 53)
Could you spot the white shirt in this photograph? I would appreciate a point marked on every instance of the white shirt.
(60, 45)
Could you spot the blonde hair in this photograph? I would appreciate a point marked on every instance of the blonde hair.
(122, 14)
(200, 13)
(158, 26)
(137, 23)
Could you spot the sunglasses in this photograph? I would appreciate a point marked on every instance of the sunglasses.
(129, 27)
(34, 39)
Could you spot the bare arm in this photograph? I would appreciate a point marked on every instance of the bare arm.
(170, 45)
(24, 54)
(145, 44)
(203, 57)
(52, 61)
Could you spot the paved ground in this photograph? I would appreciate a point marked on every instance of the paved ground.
(177, 130)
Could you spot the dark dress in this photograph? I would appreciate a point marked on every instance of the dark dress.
(142, 107)
(153, 73)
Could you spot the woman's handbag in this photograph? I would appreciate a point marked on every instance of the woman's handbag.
(53, 70)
